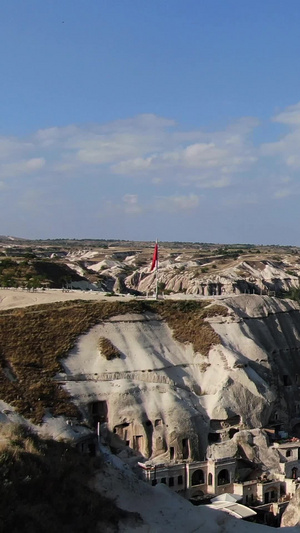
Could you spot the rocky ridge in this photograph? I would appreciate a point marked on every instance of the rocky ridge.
(160, 393)
(187, 268)
(185, 273)
(162, 399)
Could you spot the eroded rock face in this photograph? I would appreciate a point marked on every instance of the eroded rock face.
(291, 516)
(252, 446)
(246, 277)
(265, 343)
(169, 403)
(148, 389)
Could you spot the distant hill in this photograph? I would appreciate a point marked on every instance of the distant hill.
(9, 238)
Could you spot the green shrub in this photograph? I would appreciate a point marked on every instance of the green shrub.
(291, 273)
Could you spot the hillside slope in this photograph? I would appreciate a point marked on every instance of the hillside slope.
(182, 372)
(159, 393)
(182, 379)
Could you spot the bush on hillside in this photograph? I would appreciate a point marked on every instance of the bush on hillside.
(107, 349)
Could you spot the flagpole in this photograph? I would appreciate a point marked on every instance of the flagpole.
(156, 275)
(154, 265)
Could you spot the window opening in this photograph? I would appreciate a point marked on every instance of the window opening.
(197, 477)
(185, 448)
(223, 477)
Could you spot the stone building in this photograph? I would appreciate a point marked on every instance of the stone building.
(289, 453)
(193, 479)
(258, 492)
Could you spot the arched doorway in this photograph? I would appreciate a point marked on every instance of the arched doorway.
(197, 477)
(223, 477)
(98, 412)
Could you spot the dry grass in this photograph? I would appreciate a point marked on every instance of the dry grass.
(215, 310)
(107, 349)
(44, 488)
(187, 321)
(34, 339)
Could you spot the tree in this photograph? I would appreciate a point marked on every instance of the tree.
(294, 294)
(161, 287)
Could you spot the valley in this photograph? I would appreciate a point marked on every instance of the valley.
(196, 391)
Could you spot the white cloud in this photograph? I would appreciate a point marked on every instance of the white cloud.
(288, 147)
(290, 116)
(13, 147)
(211, 182)
(237, 198)
(137, 165)
(146, 147)
(145, 122)
(107, 149)
(34, 164)
(205, 155)
(282, 193)
(203, 160)
(131, 206)
(51, 136)
(285, 179)
(11, 170)
(177, 203)
(130, 198)
(128, 205)
(90, 167)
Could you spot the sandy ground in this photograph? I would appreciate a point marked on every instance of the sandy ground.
(10, 298)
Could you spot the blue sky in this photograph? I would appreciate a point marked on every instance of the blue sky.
(144, 119)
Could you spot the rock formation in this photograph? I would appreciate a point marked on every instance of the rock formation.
(167, 402)
(253, 277)
(206, 273)
(291, 516)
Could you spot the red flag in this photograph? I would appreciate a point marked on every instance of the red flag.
(154, 258)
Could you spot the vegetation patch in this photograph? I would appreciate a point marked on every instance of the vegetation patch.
(33, 341)
(32, 274)
(292, 273)
(215, 310)
(107, 349)
(44, 487)
(293, 294)
(187, 321)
